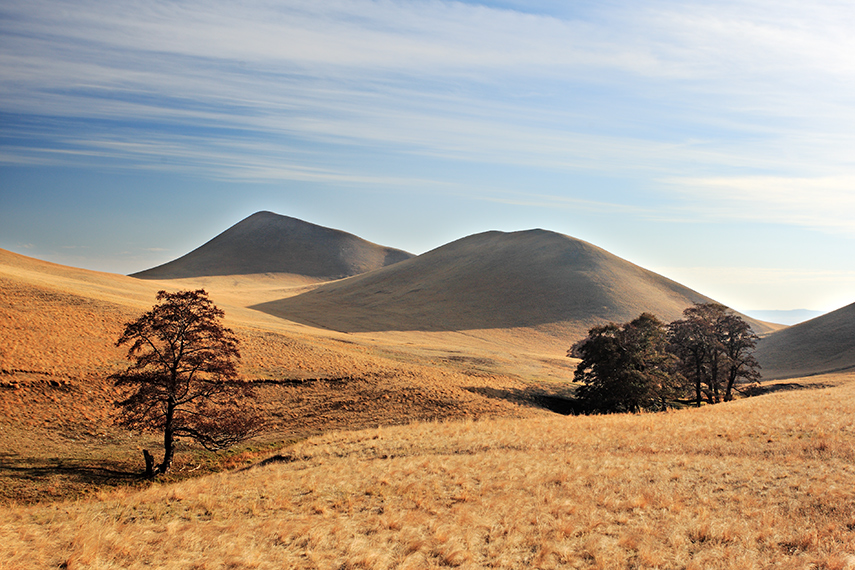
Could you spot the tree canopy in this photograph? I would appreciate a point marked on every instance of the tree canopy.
(625, 368)
(183, 380)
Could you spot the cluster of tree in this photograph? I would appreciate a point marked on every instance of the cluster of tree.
(646, 364)
(182, 380)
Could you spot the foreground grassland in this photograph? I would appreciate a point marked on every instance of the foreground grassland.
(765, 482)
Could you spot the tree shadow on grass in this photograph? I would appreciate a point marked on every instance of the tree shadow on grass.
(79, 472)
(29, 479)
(783, 387)
(533, 397)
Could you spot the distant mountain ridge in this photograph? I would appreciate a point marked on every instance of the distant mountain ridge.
(495, 280)
(526, 287)
(271, 243)
(788, 317)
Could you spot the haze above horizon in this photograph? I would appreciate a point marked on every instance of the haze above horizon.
(710, 142)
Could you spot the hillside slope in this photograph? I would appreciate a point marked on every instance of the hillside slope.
(823, 344)
(494, 280)
(62, 321)
(59, 325)
(270, 243)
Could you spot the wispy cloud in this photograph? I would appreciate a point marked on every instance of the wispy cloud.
(553, 202)
(823, 203)
(705, 99)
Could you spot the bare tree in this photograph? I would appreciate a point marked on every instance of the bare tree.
(738, 342)
(182, 380)
(715, 350)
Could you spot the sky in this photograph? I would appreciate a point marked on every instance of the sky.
(710, 141)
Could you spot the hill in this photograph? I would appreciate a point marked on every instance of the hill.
(61, 321)
(58, 327)
(270, 243)
(823, 344)
(495, 280)
(757, 483)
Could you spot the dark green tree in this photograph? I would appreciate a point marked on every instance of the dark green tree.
(625, 368)
(183, 380)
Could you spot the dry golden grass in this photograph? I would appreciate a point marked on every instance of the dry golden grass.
(766, 482)
(62, 322)
(59, 326)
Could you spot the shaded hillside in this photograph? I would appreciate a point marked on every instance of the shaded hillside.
(823, 344)
(269, 243)
(494, 280)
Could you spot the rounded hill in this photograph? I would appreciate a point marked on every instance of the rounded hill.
(493, 280)
(271, 243)
(823, 344)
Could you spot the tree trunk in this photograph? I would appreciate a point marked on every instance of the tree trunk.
(731, 380)
(698, 382)
(168, 438)
(168, 452)
(728, 394)
(715, 395)
(149, 463)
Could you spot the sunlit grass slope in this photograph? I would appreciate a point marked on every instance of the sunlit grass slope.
(766, 482)
(58, 327)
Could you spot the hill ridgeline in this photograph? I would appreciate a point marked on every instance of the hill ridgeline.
(494, 280)
(823, 344)
(270, 243)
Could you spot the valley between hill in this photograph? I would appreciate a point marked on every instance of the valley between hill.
(412, 423)
(61, 324)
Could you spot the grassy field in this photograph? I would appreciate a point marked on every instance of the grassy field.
(764, 482)
(59, 327)
(398, 449)
(58, 440)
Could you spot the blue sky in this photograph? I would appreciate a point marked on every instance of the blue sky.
(712, 142)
